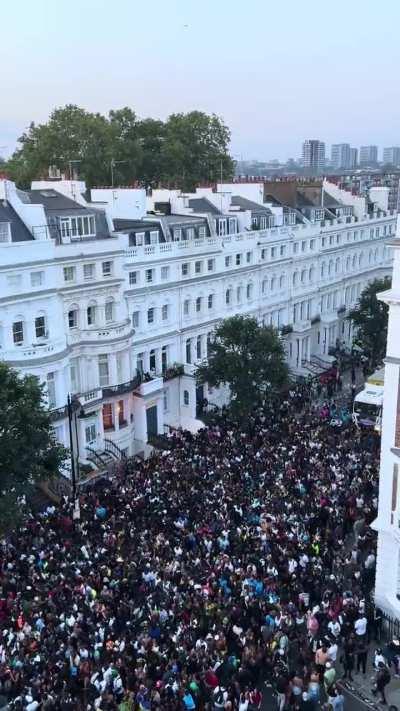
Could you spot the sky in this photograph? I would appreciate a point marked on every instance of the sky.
(276, 71)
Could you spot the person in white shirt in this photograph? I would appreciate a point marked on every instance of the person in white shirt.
(334, 628)
(360, 626)
(332, 651)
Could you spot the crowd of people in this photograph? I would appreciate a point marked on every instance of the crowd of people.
(234, 562)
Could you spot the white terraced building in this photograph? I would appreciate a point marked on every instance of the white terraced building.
(387, 523)
(98, 290)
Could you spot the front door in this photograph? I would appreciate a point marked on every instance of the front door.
(152, 424)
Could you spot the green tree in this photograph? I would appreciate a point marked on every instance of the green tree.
(71, 134)
(184, 150)
(195, 149)
(249, 358)
(28, 450)
(370, 317)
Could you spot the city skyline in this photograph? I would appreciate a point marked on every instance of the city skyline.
(104, 59)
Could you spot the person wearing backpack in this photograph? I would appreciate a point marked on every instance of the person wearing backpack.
(220, 696)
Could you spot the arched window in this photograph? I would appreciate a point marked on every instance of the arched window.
(41, 325)
(249, 291)
(18, 330)
(323, 270)
(281, 281)
(273, 283)
(264, 286)
(295, 279)
(228, 297)
(311, 274)
(330, 267)
(303, 276)
(348, 264)
(198, 304)
(370, 256)
(354, 261)
(186, 398)
(198, 348)
(337, 266)
(188, 350)
(210, 301)
(109, 311)
(361, 259)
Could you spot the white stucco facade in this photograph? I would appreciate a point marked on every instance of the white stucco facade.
(387, 588)
(86, 313)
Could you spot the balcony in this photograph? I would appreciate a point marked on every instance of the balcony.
(23, 351)
(91, 397)
(173, 249)
(127, 387)
(149, 387)
(100, 333)
(174, 371)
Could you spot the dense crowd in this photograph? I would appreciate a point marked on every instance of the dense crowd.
(235, 561)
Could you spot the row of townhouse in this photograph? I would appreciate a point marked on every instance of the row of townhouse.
(114, 298)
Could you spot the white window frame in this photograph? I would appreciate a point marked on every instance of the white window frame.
(37, 278)
(104, 370)
(5, 232)
(109, 316)
(70, 270)
(40, 327)
(18, 332)
(89, 271)
(107, 270)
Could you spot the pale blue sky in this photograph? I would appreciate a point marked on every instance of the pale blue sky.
(277, 71)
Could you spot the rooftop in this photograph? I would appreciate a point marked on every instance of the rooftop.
(53, 201)
(19, 233)
(245, 204)
(203, 205)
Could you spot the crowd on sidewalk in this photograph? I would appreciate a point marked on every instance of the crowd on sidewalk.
(198, 575)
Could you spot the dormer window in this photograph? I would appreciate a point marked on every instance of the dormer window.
(5, 232)
(82, 226)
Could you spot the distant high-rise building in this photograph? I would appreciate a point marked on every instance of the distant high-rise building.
(341, 155)
(368, 155)
(314, 155)
(391, 155)
(353, 158)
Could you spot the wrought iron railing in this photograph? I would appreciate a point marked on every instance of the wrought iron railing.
(113, 449)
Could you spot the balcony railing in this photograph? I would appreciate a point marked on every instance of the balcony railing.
(130, 385)
(111, 330)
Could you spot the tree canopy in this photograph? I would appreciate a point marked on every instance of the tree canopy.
(370, 316)
(28, 450)
(249, 358)
(182, 151)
